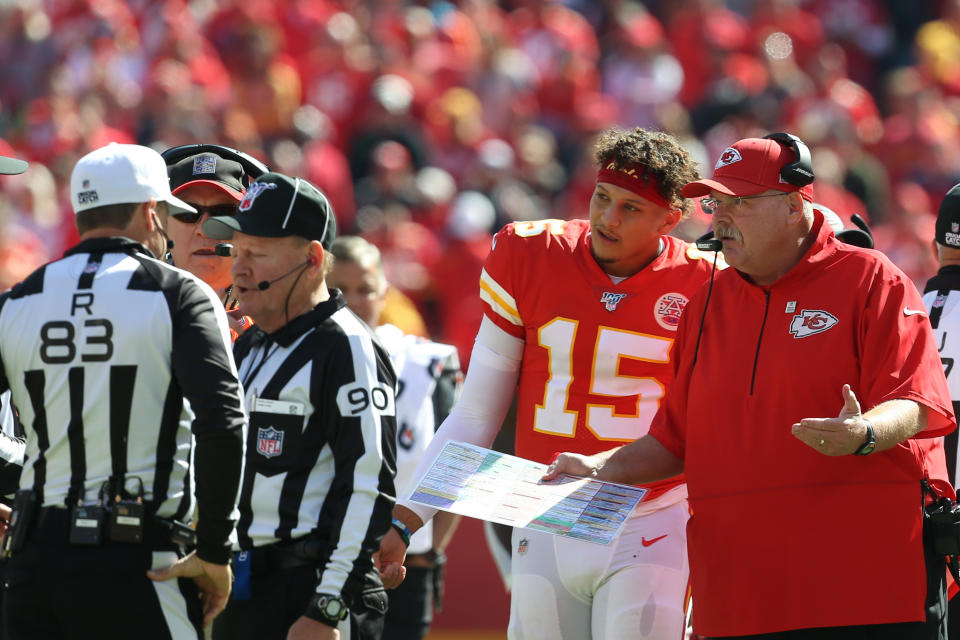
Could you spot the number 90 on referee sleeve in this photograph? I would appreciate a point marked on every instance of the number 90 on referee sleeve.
(356, 398)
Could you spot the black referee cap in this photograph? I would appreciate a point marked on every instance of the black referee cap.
(225, 174)
(276, 206)
(947, 230)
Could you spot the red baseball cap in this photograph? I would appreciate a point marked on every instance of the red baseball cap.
(749, 167)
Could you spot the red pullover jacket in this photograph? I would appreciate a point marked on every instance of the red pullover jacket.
(783, 537)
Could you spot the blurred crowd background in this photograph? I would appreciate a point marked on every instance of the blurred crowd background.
(432, 124)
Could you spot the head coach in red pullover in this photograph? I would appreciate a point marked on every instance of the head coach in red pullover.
(805, 411)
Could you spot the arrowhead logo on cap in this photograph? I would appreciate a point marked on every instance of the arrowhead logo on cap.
(729, 156)
(253, 191)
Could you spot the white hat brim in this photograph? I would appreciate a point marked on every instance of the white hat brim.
(177, 205)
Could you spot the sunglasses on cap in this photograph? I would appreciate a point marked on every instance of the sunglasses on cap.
(215, 210)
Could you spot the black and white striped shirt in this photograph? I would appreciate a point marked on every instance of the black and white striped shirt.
(941, 296)
(321, 448)
(13, 443)
(120, 366)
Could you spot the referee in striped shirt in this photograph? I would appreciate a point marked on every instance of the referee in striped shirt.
(321, 448)
(121, 370)
(12, 442)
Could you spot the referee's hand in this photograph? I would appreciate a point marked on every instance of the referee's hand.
(213, 580)
(389, 559)
(5, 513)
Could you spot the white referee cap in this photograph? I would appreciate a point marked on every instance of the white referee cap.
(11, 166)
(122, 173)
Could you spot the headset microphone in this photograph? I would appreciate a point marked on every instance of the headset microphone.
(707, 242)
(263, 285)
(223, 249)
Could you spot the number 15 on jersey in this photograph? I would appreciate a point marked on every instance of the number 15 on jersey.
(558, 414)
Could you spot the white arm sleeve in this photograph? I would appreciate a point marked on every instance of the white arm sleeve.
(476, 417)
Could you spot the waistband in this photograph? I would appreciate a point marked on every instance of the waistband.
(302, 552)
(52, 527)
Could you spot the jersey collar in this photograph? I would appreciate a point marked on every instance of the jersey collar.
(290, 332)
(117, 244)
(825, 244)
(948, 277)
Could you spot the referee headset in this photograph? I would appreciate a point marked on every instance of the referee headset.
(253, 168)
(798, 172)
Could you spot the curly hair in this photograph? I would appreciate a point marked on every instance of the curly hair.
(660, 153)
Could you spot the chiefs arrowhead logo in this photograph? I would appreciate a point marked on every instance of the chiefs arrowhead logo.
(811, 322)
(729, 156)
(668, 308)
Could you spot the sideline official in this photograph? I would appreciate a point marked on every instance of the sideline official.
(428, 384)
(941, 298)
(118, 364)
(321, 451)
(12, 442)
(212, 179)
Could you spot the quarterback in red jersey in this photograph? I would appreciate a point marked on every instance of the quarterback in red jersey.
(583, 314)
(597, 353)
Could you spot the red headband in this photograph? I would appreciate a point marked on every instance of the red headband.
(632, 179)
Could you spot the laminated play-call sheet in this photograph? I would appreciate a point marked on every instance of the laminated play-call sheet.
(485, 484)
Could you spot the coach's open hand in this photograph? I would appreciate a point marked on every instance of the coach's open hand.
(838, 436)
(573, 464)
(213, 580)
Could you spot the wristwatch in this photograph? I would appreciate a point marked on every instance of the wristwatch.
(333, 608)
(871, 442)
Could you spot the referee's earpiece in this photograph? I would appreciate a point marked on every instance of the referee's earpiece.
(163, 232)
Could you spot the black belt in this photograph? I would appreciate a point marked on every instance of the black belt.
(303, 552)
(52, 527)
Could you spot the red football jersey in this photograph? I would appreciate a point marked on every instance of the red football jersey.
(596, 360)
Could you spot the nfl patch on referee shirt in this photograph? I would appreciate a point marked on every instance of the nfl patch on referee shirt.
(269, 442)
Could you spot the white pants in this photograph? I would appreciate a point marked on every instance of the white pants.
(634, 588)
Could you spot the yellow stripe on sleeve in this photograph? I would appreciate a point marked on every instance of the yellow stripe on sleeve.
(498, 299)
